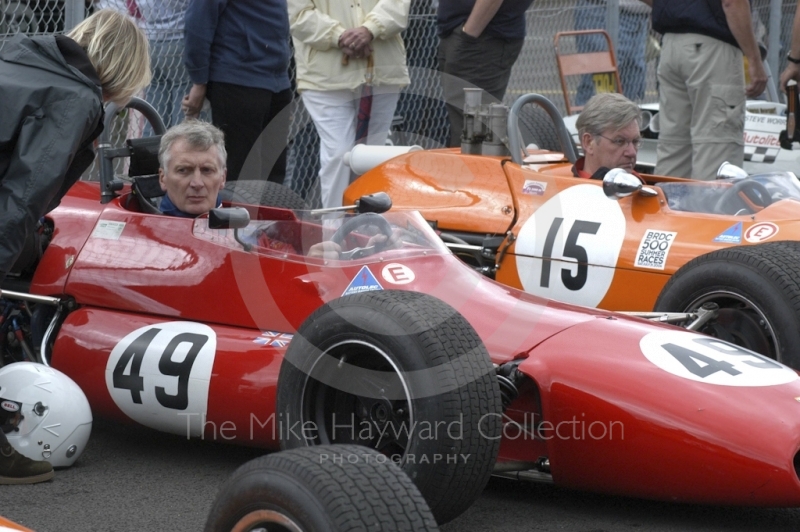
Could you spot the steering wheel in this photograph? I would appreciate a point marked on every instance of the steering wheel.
(515, 140)
(362, 220)
(753, 190)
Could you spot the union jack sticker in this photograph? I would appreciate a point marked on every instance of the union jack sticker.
(274, 339)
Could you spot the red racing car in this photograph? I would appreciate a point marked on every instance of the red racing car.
(223, 327)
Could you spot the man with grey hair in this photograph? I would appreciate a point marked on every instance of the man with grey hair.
(608, 128)
(192, 160)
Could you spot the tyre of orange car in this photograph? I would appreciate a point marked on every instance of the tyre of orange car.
(406, 374)
(329, 488)
(757, 289)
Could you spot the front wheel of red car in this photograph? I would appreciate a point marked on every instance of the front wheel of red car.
(332, 488)
(405, 374)
(757, 289)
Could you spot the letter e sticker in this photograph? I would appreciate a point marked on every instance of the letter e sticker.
(397, 274)
(760, 232)
(654, 249)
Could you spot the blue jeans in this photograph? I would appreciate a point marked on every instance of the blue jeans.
(630, 48)
(170, 81)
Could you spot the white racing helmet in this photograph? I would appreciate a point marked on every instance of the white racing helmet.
(43, 413)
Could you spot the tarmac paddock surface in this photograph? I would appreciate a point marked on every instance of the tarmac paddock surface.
(135, 479)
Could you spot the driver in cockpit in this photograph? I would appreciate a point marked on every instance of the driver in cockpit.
(608, 128)
(192, 160)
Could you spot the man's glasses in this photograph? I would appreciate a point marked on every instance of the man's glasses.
(619, 142)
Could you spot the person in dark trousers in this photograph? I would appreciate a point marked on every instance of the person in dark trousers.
(702, 83)
(52, 90)
(480, 41)
(237, 55)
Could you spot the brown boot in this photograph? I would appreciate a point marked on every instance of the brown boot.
(18, 469)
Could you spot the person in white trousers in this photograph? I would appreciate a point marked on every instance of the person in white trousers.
(333, 41)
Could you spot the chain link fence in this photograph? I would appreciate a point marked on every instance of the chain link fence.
(420, 116)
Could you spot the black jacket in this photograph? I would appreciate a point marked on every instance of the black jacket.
(705, 17)
(51, 110)
(508, 22)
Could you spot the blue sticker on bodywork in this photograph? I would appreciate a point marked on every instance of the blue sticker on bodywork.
(731, 235)
(364, 281)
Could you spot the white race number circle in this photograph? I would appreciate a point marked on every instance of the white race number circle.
(569, 248)
(705, 359)
(159, 375)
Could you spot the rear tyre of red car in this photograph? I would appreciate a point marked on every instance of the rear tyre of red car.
(403, 373)
(331, 488)
(758, 291)
(265, 193)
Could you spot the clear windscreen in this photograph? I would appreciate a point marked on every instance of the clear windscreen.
(342, 236)
(732, 196)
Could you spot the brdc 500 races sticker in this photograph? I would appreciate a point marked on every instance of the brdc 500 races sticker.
(654, 249)
(712, 361)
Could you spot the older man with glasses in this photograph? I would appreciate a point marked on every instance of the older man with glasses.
(608, 128)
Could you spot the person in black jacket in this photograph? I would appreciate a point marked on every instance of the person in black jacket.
(237, 55)
(480, 41)
(52, 90)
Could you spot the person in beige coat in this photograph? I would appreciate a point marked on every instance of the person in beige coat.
(338, 45)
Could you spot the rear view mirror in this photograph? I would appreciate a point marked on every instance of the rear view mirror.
(618, 184)
(379, 202)
(228, 218)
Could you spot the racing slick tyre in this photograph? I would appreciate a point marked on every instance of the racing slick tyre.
(330, 488)
(403, 373)
(757, 289)
(265, 193)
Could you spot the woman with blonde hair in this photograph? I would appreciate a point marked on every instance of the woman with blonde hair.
(52, 91)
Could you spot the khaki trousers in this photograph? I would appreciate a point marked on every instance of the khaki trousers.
(702, 106)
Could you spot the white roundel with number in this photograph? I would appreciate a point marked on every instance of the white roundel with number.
(159, 375)
(569, 248)
(706, 359)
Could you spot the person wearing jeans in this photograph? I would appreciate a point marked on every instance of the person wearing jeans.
(634, 22)
(163, 24)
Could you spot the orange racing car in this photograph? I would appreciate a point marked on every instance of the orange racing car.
(725, 251)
